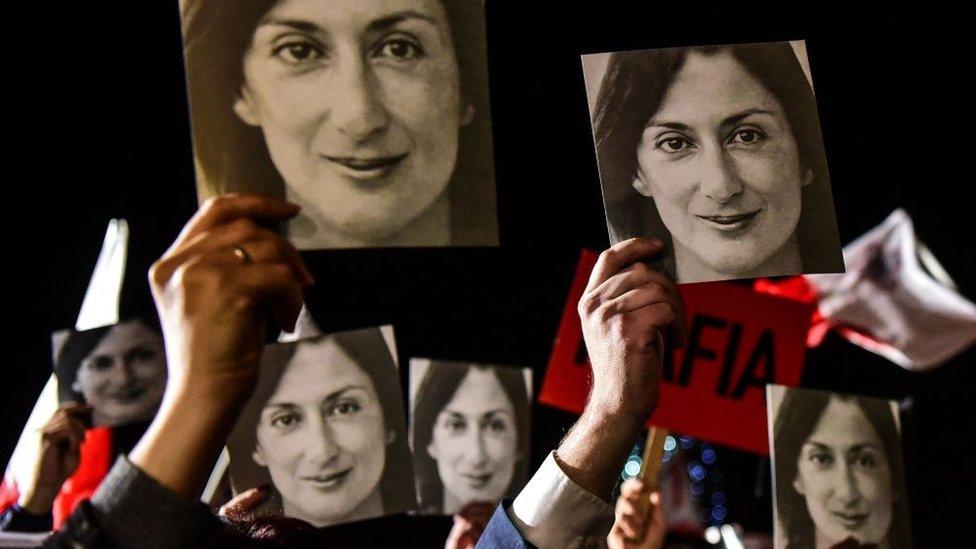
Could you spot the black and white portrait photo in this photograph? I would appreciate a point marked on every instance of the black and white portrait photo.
(118, 370)
(470, 432)
(717, 152)
(372, 115)
(326, 430)
(838, 473)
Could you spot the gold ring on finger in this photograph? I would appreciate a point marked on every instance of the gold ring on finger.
(242, 254)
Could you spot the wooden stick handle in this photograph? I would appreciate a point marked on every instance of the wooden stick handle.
(653, 453)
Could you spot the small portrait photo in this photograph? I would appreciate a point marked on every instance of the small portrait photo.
(118, 370)
(470, 430)
(372, 115)
(326, 430)
(838, 472)
(717, 152)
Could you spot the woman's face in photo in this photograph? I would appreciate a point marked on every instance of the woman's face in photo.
(721, 163)
(322, 436)
(360, 105)
(844, 475)
(475, 442)
(124, 377)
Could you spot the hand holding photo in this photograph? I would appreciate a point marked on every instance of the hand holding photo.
(716, 149)
(838, 473)
(372, 115)
(325, 428)
(118, 370)
(470, 433)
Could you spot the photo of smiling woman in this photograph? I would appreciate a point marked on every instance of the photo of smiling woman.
(118, 370)
(717, 151)
(372, 115)
(838, 473)
(326, 429)
(469, 433)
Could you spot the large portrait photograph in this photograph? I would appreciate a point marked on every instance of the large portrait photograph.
(372, 115)
(470, 429)
(717, 152)
(119, 371)
(838, 471)
(326, 430)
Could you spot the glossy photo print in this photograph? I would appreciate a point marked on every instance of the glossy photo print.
(118, 370)
(716, 151)
(326, 430)
(469, 428)
(838, 473)
(372, 115)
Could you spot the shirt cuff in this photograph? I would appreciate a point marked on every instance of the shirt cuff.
(133, 510)
(552, 511)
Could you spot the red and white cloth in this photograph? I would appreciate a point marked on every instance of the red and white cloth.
(895, 299)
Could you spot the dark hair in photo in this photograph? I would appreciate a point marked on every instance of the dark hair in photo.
(795, 421)
(632, 90)
(368, 349)
(440, 382)
(71, 347)
(233, 156)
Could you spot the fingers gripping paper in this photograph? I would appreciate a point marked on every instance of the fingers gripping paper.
(738, 341)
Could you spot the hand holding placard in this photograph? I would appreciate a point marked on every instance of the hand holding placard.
(59, 455)
(212, 296)
(624, 310)
(737, 341)
(212, 300)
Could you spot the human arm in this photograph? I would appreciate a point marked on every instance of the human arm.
(213, 306)
(625, 311)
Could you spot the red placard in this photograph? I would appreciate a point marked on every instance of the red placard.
(713, 389)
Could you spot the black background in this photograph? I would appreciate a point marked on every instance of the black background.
(97, 128)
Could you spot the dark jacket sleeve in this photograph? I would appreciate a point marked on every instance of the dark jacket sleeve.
(501, 533)
(131, 509)
(16, 519)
